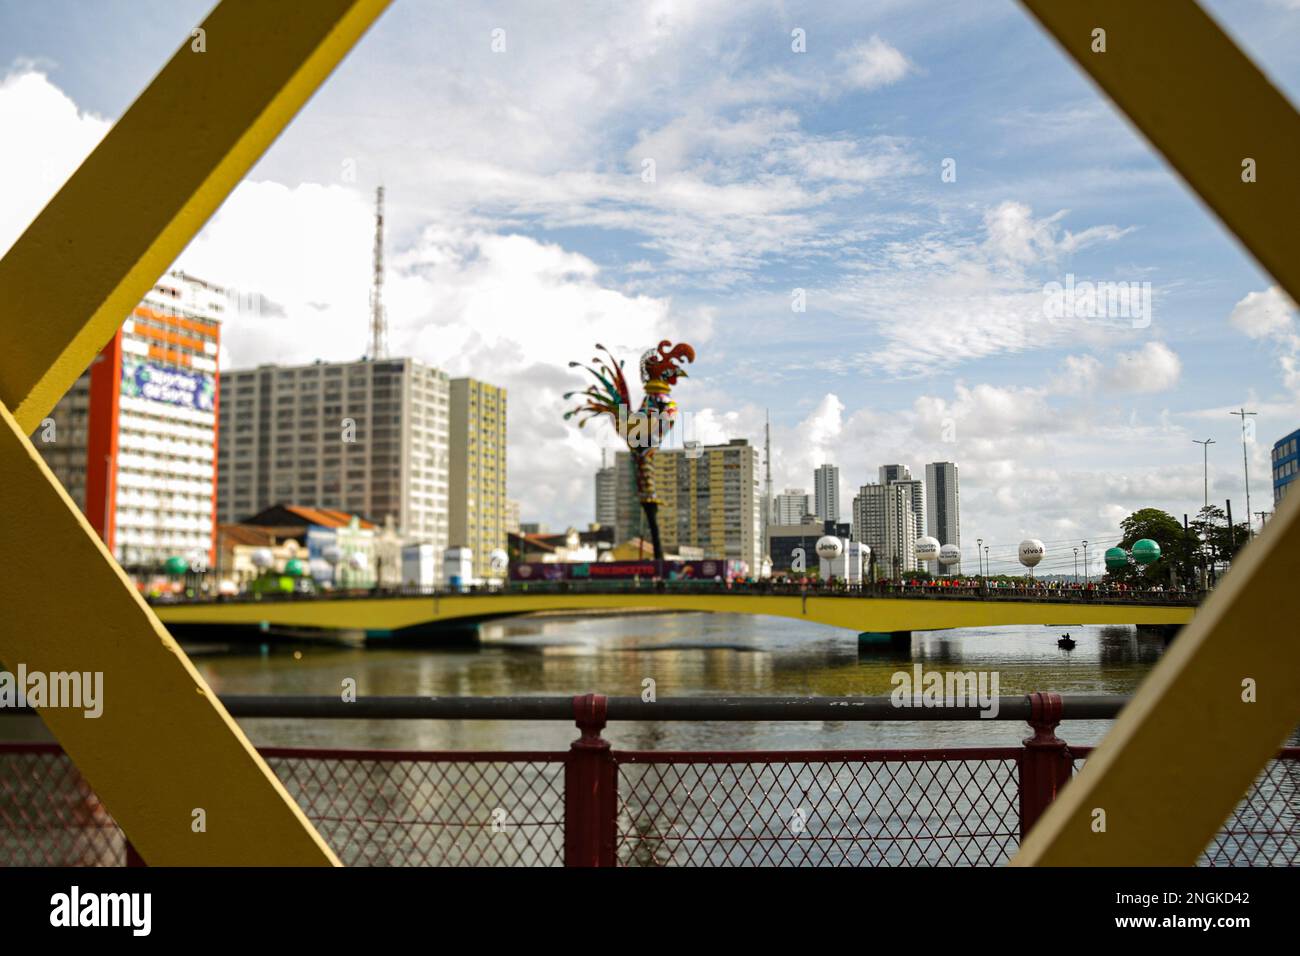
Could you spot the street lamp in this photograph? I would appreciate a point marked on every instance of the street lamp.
(1076, 565)
(1087, 574)
(987, 569)
(1245, 465)
(979, 553)
(1205, 445)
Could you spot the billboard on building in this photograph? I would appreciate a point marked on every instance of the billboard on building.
(194, 390)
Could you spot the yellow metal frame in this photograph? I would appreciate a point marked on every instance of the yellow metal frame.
(164, 748)
(1167, 775)
(1189, 745)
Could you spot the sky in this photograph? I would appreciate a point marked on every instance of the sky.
(859, 237)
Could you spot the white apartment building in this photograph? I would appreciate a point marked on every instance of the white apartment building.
(883, 520)
(790, 506)
(826, 493)
(369, 438)
(134, 439)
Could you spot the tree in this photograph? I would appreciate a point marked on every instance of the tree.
(1165, 530)
(1215, 541)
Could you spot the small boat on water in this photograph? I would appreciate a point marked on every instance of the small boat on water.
(1065, 642)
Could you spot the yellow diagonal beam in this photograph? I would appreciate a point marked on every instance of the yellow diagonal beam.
(1203, 104)
(167, 760)
(1226, 694)
(165, 757)
(154, 180)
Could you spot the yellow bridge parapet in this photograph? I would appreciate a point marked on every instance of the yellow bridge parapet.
(854, 613)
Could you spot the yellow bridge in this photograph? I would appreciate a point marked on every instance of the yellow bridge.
(858, 613)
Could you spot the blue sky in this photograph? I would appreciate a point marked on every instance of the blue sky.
(522, 231)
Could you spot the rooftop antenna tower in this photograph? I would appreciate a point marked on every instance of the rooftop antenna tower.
(378, 321)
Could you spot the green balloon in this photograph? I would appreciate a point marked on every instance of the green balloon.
(295, 568)
(176, 565)
(1116, 558)
(1146, 551)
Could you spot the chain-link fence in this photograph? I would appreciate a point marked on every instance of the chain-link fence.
(941, 808)
(957, 808)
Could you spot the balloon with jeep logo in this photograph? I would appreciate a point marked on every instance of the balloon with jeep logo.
(829, 547)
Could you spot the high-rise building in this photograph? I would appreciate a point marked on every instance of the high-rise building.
(916, 496)
(709, 499)
(607, 495)
(826, 493)
(902, 475)
(883, 520)
(512, 516)
(368, 438)
(477, 476)
(134, 440)
(790, 506)
(892, 473)
(1286, 464)
(943, 505)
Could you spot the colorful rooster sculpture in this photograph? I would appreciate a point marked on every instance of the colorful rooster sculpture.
(644, 429)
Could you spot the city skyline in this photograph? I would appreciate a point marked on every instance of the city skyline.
(974, 375)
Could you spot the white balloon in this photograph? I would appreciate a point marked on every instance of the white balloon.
(829, 547)
(949, 554)
(927, 549)
(498, 560)
(333, 554)
(262, 558)
(1031, 552)
(358, 561)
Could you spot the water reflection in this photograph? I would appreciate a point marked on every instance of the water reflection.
(686, 654)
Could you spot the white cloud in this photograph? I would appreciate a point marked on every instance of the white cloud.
(1271, 316)
(1153, 368)
(872, 64)
(940, 299)
(46, 138)
(1264, 314)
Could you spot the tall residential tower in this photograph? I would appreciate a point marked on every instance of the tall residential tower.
(943, 505)
(477, 485)
(134, 440)
(826, 493)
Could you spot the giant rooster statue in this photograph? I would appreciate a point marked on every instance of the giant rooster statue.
(645, 429)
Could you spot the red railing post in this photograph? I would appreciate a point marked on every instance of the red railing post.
(1044, 763)
(590, 789)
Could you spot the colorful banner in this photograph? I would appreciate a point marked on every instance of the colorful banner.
(196, 390)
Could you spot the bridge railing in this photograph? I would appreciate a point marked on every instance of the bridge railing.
(974, 592)
(594, 805)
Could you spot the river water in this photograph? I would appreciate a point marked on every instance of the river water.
(401, 813)
(686, 654)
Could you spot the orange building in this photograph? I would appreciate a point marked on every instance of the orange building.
(134, 440)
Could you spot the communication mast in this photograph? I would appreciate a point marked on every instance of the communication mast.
(378, 321)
